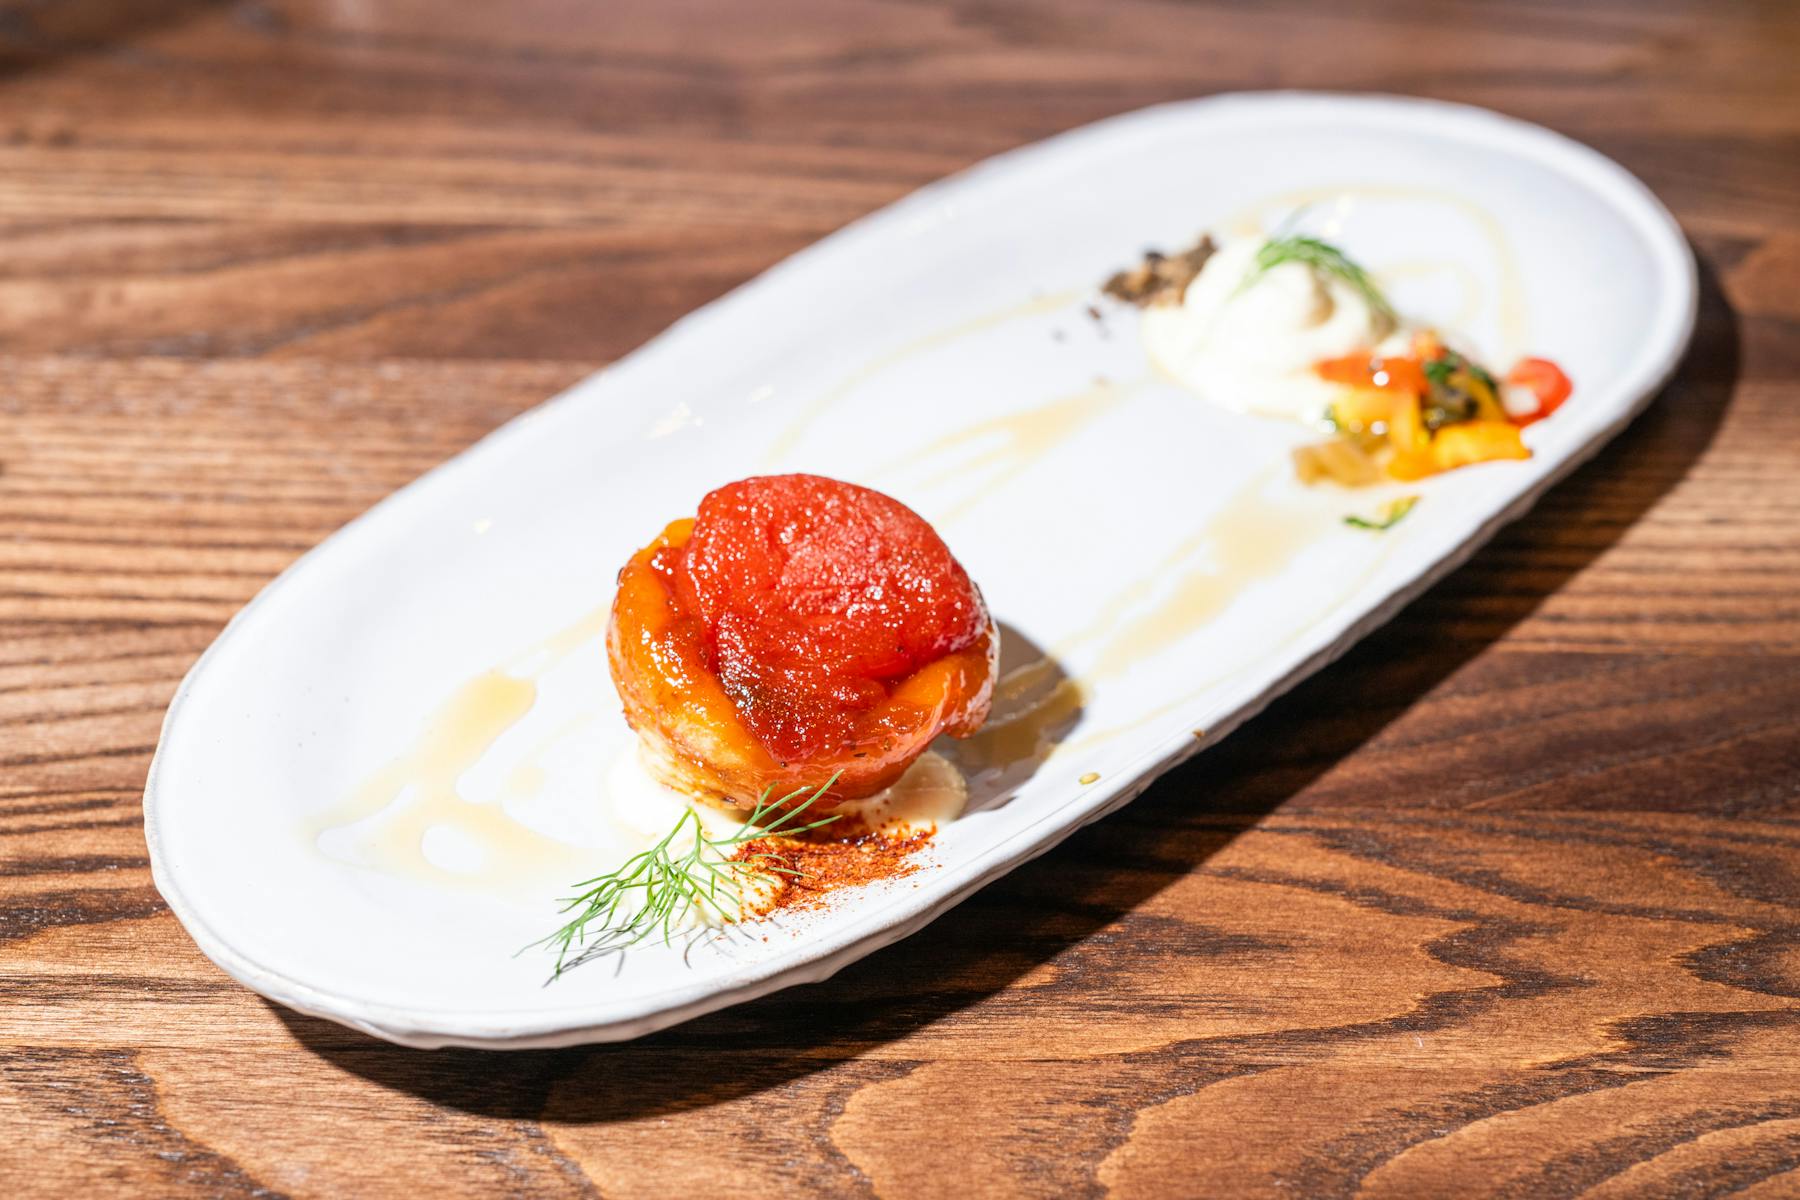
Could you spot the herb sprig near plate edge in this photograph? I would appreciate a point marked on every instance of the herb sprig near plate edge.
(1386, 517)
(684, 873)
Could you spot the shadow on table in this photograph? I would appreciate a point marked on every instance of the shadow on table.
(1051, 905)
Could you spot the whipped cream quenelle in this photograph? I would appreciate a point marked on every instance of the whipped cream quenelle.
(1251, 348)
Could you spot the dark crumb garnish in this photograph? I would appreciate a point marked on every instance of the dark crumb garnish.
(1160, 278)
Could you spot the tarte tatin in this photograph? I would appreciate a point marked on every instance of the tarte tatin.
(794, 629)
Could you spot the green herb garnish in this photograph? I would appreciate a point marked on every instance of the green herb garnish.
(1320, 256)
(1451, 376)
(1387, 516)
(1439, 370)
(685, 873)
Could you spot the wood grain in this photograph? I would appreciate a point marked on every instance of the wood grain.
(1504, 903)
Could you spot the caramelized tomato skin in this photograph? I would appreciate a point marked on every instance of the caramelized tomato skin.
(802, 628)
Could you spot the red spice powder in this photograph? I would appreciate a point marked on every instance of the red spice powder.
(827, 864)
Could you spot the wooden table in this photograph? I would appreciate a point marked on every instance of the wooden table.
(1507, 902)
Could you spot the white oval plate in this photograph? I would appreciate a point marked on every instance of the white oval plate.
(940, 350)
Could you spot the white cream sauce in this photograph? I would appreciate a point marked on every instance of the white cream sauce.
(1247, 341)
(931, 794)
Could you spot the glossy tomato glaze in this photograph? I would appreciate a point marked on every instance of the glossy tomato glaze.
(798, 627)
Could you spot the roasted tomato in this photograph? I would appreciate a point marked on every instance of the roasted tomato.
(796, 628)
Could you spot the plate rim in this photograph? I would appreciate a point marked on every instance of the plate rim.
(597, 1019)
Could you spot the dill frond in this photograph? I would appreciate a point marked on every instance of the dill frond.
(1320, 256)
(685, 874)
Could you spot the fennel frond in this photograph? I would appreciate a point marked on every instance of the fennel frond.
(685, 874)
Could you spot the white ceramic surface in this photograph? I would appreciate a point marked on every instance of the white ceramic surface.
(940, 350)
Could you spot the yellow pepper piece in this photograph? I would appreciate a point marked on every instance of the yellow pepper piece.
(1487, 405)
(1412, 464)
(1476, 441)
(1406, 429)
(1358, 409)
